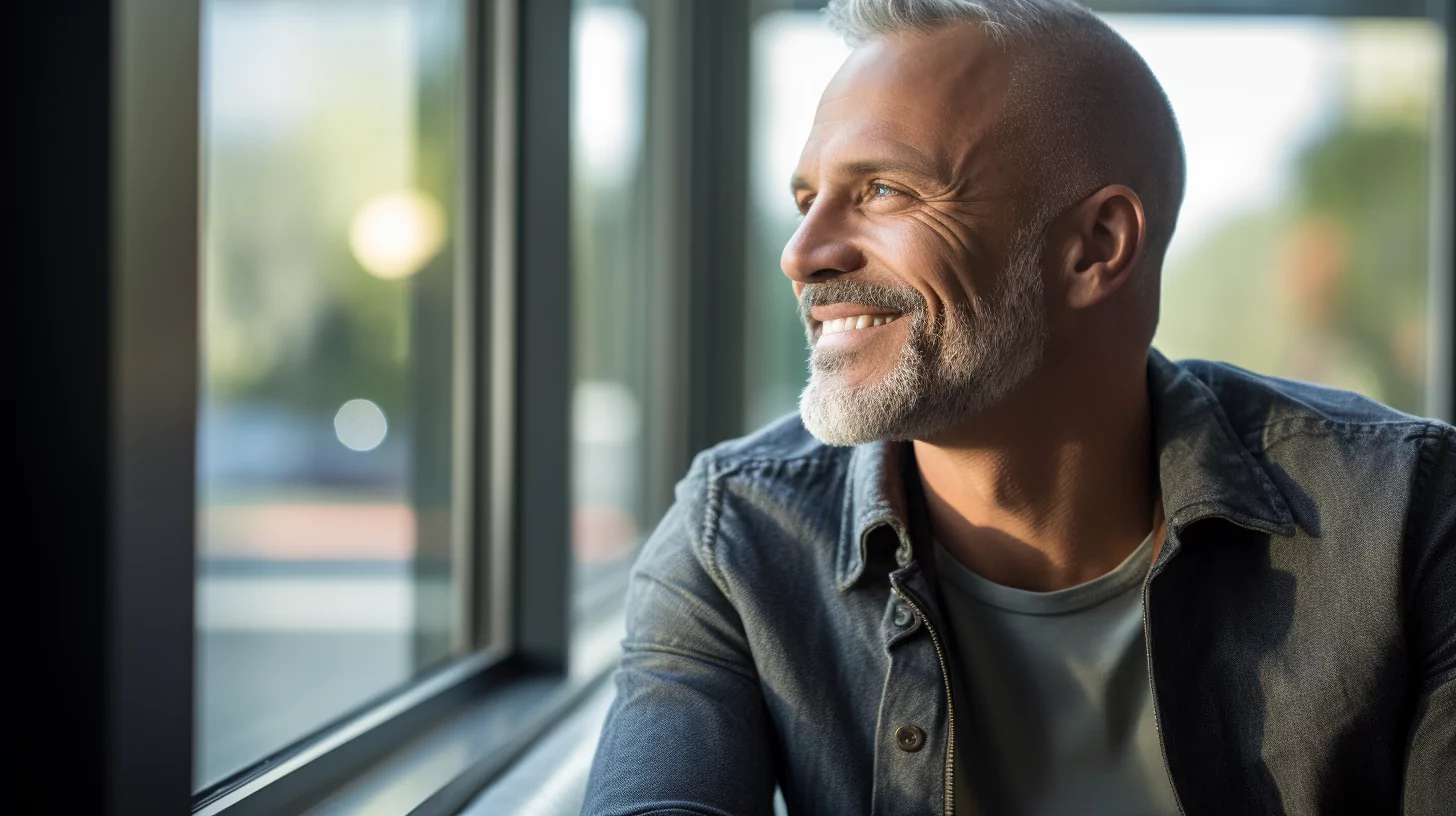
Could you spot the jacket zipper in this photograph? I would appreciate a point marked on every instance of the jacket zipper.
(950, 703)
(1152, 686)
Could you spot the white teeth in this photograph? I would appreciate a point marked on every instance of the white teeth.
(844, 324)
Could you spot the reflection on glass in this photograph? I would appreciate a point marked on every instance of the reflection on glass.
(1301, 249)
(611, 290)
(324, 475)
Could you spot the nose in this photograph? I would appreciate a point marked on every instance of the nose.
(820, 249)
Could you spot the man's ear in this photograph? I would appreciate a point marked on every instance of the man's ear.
(1102, 240)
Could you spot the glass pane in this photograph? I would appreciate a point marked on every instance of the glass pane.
(611, 291)
(327, 475)
(1301, 250)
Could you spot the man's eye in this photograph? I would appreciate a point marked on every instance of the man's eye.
(883, 190)
(804, 205)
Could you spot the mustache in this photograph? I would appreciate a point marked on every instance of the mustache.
(902, 299)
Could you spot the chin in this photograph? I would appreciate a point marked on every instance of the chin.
(843, 412)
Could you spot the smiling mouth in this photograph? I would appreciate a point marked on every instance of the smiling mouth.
(854, 323)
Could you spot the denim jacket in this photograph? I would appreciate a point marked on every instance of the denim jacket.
(1300, 619)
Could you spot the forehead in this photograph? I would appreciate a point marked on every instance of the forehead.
(935, 96)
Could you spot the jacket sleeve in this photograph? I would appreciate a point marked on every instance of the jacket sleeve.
(1430, 773)
(688, 732)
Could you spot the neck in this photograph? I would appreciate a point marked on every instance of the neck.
(1052, 487)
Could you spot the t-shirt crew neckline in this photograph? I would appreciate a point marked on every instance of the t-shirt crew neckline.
(1123, 577)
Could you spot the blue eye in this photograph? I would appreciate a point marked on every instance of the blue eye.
(884, 191)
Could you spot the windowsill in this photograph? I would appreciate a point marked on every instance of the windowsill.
(441, 770)
(550, 779)
(428, 749)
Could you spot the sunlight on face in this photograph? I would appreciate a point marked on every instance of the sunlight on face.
(922, 300)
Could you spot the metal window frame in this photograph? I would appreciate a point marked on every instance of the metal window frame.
(697, 144)
(104, 263)
(1245, 8)
(1441, 361)
(542, 502)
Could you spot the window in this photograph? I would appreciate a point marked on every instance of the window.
(1302, 249)
(331, 456)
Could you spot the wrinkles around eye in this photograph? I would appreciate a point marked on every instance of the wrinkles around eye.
(953, 232)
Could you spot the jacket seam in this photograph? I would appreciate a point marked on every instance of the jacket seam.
(690, 598)
(674, 808)
(1441, 678)
(1429, 454)
(736, 465)
(647, 646)
(1268, 436)
(709, 533)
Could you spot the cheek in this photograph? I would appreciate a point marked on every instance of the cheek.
(943, 266)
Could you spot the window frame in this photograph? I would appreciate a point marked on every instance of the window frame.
(106, 123)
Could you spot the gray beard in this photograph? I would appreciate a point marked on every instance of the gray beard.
(963, 364)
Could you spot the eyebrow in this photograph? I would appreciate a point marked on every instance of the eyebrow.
(871, 167)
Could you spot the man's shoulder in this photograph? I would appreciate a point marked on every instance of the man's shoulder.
(784, 441)
(780, 460)
(1265, 408)
(1273, 445)
(769, 496)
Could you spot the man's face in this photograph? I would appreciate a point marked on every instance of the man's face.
(917, 263)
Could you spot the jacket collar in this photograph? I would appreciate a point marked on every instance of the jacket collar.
(877, 517)
(1203, 468)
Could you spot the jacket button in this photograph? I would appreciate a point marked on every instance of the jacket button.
(903, 616)
(910, 738)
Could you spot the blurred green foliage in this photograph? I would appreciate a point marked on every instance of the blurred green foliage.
(1328, 285)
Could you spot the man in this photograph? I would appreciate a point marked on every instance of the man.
(1006, 559)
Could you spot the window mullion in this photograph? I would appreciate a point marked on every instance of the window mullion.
(543, 338)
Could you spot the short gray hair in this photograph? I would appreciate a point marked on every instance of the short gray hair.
(859, 21)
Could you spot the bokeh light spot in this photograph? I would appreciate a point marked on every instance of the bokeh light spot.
(360, 425)
(396, 234)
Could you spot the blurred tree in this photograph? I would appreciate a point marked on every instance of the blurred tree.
(1373, 183)
(1329, 284)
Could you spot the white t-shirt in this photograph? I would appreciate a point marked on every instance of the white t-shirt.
(1060, 716)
